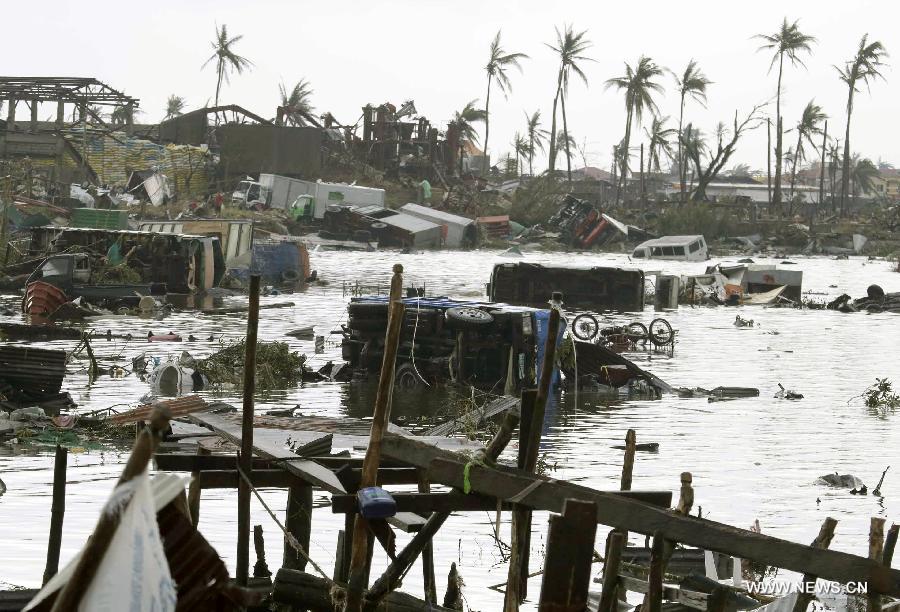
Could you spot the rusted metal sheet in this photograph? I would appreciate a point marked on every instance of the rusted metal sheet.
(178, 407)
(32, 371)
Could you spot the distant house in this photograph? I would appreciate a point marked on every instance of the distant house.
(887, 184)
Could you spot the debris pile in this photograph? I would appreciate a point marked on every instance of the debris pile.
(277, 366)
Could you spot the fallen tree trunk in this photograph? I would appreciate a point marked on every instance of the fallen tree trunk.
(307, 592)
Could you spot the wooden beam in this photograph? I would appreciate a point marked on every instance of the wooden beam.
(876, 550)
(229, 479)
(425, 503)
(653, 599)
(608, 596)
(620, 512)
(823, 540)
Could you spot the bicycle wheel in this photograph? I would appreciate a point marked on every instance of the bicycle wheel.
(585, 327)
(661, 332)
(637, 332)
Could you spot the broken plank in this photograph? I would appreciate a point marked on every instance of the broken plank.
(623, 513)
(310, 471)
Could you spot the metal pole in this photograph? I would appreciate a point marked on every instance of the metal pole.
(246, 456)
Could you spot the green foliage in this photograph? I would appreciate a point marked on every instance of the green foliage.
(881, 396)
(697, 219)
(537, 201)
(277, 367)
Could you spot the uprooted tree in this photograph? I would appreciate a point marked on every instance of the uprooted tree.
(700, 154)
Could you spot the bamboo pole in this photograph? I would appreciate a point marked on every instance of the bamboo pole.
(357, 577)
(95, 548)
(246, 457)
(627, 472)
(57, 512)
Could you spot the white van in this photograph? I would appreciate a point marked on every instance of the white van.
(682, 248)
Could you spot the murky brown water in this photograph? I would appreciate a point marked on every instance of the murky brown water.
(751, 458)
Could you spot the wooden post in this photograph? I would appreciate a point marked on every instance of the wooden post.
(356, 581)
(429, 586)
(823, 540)
(655, 578)
(260, 568)
(520, 541)
(570, 551)
(625, 485)
(194, 491)
(876, 550)
(95, 548)
(340, 558)
(298, 522)
(548, 367)
(246, 456)
(608, 596)
(57, 512)
(685, 503)
(890, 542)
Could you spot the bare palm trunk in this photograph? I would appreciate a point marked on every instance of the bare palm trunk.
(623, 179)
(778, 134)
(221, 73)
(845, 173)
(553, 122)
(487, 128)
(682, 174)
(531, 156)
(566, 135)
(769, 160)
(797, 153)
(821, 201)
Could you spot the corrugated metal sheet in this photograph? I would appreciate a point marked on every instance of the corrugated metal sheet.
(32, 370)
(410, 223)
(437, 216)
(178, 407)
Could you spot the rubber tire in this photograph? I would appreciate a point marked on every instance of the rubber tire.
(368, 310)
(637, 332)
(586, 317)
(407, 379)
(461, 317)
(659, 340)
(378, 225)
(290, 276)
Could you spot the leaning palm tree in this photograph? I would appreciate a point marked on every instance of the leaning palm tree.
(465, 120)
(225, 57)
(692, 83)
(536, 137)
(787, 41)
(521, 148)
(660, 145)
(639, 87)
(296, 102)
(807, 127)
(863, 176)
(570, 47)
(174, 106)
(863, 68)
(499, 62)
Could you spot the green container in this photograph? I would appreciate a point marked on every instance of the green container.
(100, 219)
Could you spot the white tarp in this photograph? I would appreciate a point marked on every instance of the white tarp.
(134, 574)
(157, 188)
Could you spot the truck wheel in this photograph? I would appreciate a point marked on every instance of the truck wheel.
(468, 317)
(407, 378)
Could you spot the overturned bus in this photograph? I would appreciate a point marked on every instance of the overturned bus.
(589, 288)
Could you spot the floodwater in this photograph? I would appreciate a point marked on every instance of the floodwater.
(751, 459)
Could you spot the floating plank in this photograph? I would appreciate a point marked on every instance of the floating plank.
(623, 513)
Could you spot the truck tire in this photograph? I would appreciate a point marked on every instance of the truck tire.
(468, 317)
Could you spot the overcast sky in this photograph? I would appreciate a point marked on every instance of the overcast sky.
(434, 52)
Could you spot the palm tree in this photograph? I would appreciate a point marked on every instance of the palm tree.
(225, 57)
(174, 106)
(862, 175)
(807, 128)
(296, 103)
(496, 68)
(522, 149)
(834, 161)
(863, 68)
(692, 83)
(571, 48)
(465, 120)
(787, 41)
(639, 88)
(659, 136)
(536, 137)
